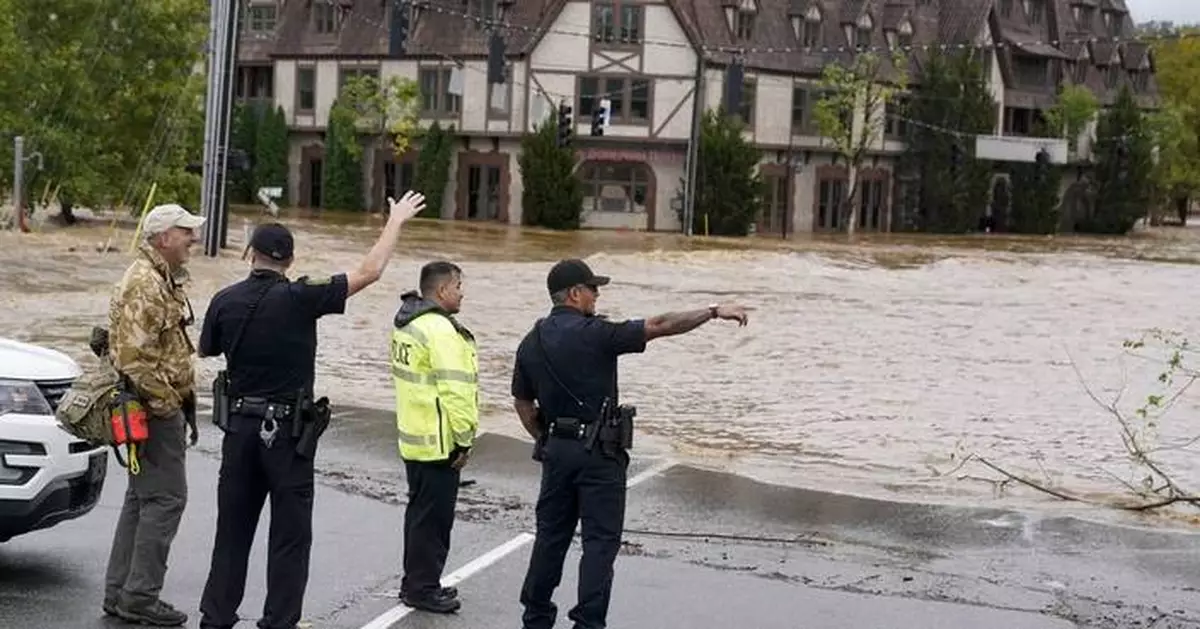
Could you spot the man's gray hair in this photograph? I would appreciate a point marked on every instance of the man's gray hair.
(559, 298)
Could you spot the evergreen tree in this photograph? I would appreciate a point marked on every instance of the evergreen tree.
(1123, 168)
(243, 136)
(433, 168)
(952, 189)
(1035, 198)
(342, 172)
(553, 194)
(729, 187)
(271, 153)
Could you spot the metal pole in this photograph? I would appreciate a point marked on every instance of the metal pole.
(226, 111)
(693, 152)
(221, 59)
(18, 179)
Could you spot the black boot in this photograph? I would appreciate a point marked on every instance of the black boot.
(438, 603)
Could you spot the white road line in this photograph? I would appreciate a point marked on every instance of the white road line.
(394, 615)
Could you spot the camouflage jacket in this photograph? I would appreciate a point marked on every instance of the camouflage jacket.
(147, 340)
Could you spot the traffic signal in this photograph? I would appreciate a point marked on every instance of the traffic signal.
(600, 117)
(956, 156)
(398, 28)
(564, 125)
(735, 77)
(495, 62)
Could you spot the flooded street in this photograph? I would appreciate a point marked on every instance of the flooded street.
(865, 367)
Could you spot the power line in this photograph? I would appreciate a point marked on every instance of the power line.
(824, 50)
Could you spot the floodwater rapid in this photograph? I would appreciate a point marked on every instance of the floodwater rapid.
(869, 366)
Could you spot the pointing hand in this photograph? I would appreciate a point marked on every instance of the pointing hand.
(407, 207)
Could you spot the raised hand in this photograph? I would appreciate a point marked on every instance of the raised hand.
(407, 207)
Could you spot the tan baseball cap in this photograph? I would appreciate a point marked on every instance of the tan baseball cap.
(164, 217)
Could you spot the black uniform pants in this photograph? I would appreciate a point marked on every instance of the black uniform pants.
(428, 520)
(577, 486)
(250, 471)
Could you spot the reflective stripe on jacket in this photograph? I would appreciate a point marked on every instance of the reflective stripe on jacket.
(436, 372)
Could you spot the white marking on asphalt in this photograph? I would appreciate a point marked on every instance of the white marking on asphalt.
(394, 615)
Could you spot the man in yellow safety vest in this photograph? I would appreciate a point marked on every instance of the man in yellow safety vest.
(435, 368)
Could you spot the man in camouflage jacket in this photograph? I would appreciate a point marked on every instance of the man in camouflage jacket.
(149, 343)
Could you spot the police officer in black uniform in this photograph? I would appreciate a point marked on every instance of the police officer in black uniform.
(266, 326)
(565, 392)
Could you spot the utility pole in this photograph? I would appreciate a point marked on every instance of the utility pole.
(693, 150)
(222, 59)
(19, 179)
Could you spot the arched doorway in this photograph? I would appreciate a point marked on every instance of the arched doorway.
(618, 194)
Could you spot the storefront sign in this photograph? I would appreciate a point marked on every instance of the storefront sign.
(648, 156)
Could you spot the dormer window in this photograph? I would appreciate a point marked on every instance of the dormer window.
(862, 32)
(904, 34)
(741, 19)
(1080, 71)
(260, 18)
(1006, 8)
(808, 28)
(324, 17)
(481, 13)
(1034, 9)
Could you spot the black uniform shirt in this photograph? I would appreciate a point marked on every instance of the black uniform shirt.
(583, 352)
(276, 356)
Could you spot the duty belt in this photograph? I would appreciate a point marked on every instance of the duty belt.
(568, 428)
(261, 408)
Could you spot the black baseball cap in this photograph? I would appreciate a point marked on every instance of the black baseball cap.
(274, 241)
(572, 272)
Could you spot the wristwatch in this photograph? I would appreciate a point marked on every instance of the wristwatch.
(712, 311)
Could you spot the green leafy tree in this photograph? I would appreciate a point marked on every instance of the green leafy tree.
(1073, 109)
(1123, 168)
(949, 105)
(553, 195)
(387, 110)
(342, 173)
(1177, 127)
(867, 84)
(729, 186)
(433, 168)
(94, 86)
(271, 152)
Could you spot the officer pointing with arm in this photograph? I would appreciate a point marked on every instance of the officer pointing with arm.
(266, 326)
(565, 393)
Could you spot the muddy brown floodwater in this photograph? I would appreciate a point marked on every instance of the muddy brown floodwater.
(866, 367)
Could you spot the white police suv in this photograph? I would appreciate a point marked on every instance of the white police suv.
(47, 476)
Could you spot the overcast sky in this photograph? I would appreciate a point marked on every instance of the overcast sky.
(1180, 11)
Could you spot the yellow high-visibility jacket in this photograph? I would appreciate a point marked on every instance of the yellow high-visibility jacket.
(435, 368)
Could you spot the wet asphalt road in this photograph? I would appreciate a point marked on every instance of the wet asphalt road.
(702, 550)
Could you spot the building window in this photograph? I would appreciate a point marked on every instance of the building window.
(631, 100)
(256, 82)
(261, 19)
(810, 34)
(306, 89)
(324, 19)
(345, 74)
(830, 195)
(1080, 71)
(397, 179)
(1006, 8)
(803, 120)
(895, 113)
(1114, 76)
(773, 214)
(615, 186)
(744, 24)
(870, 206)
(436, 99)
(617, 23)
(482, 13)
